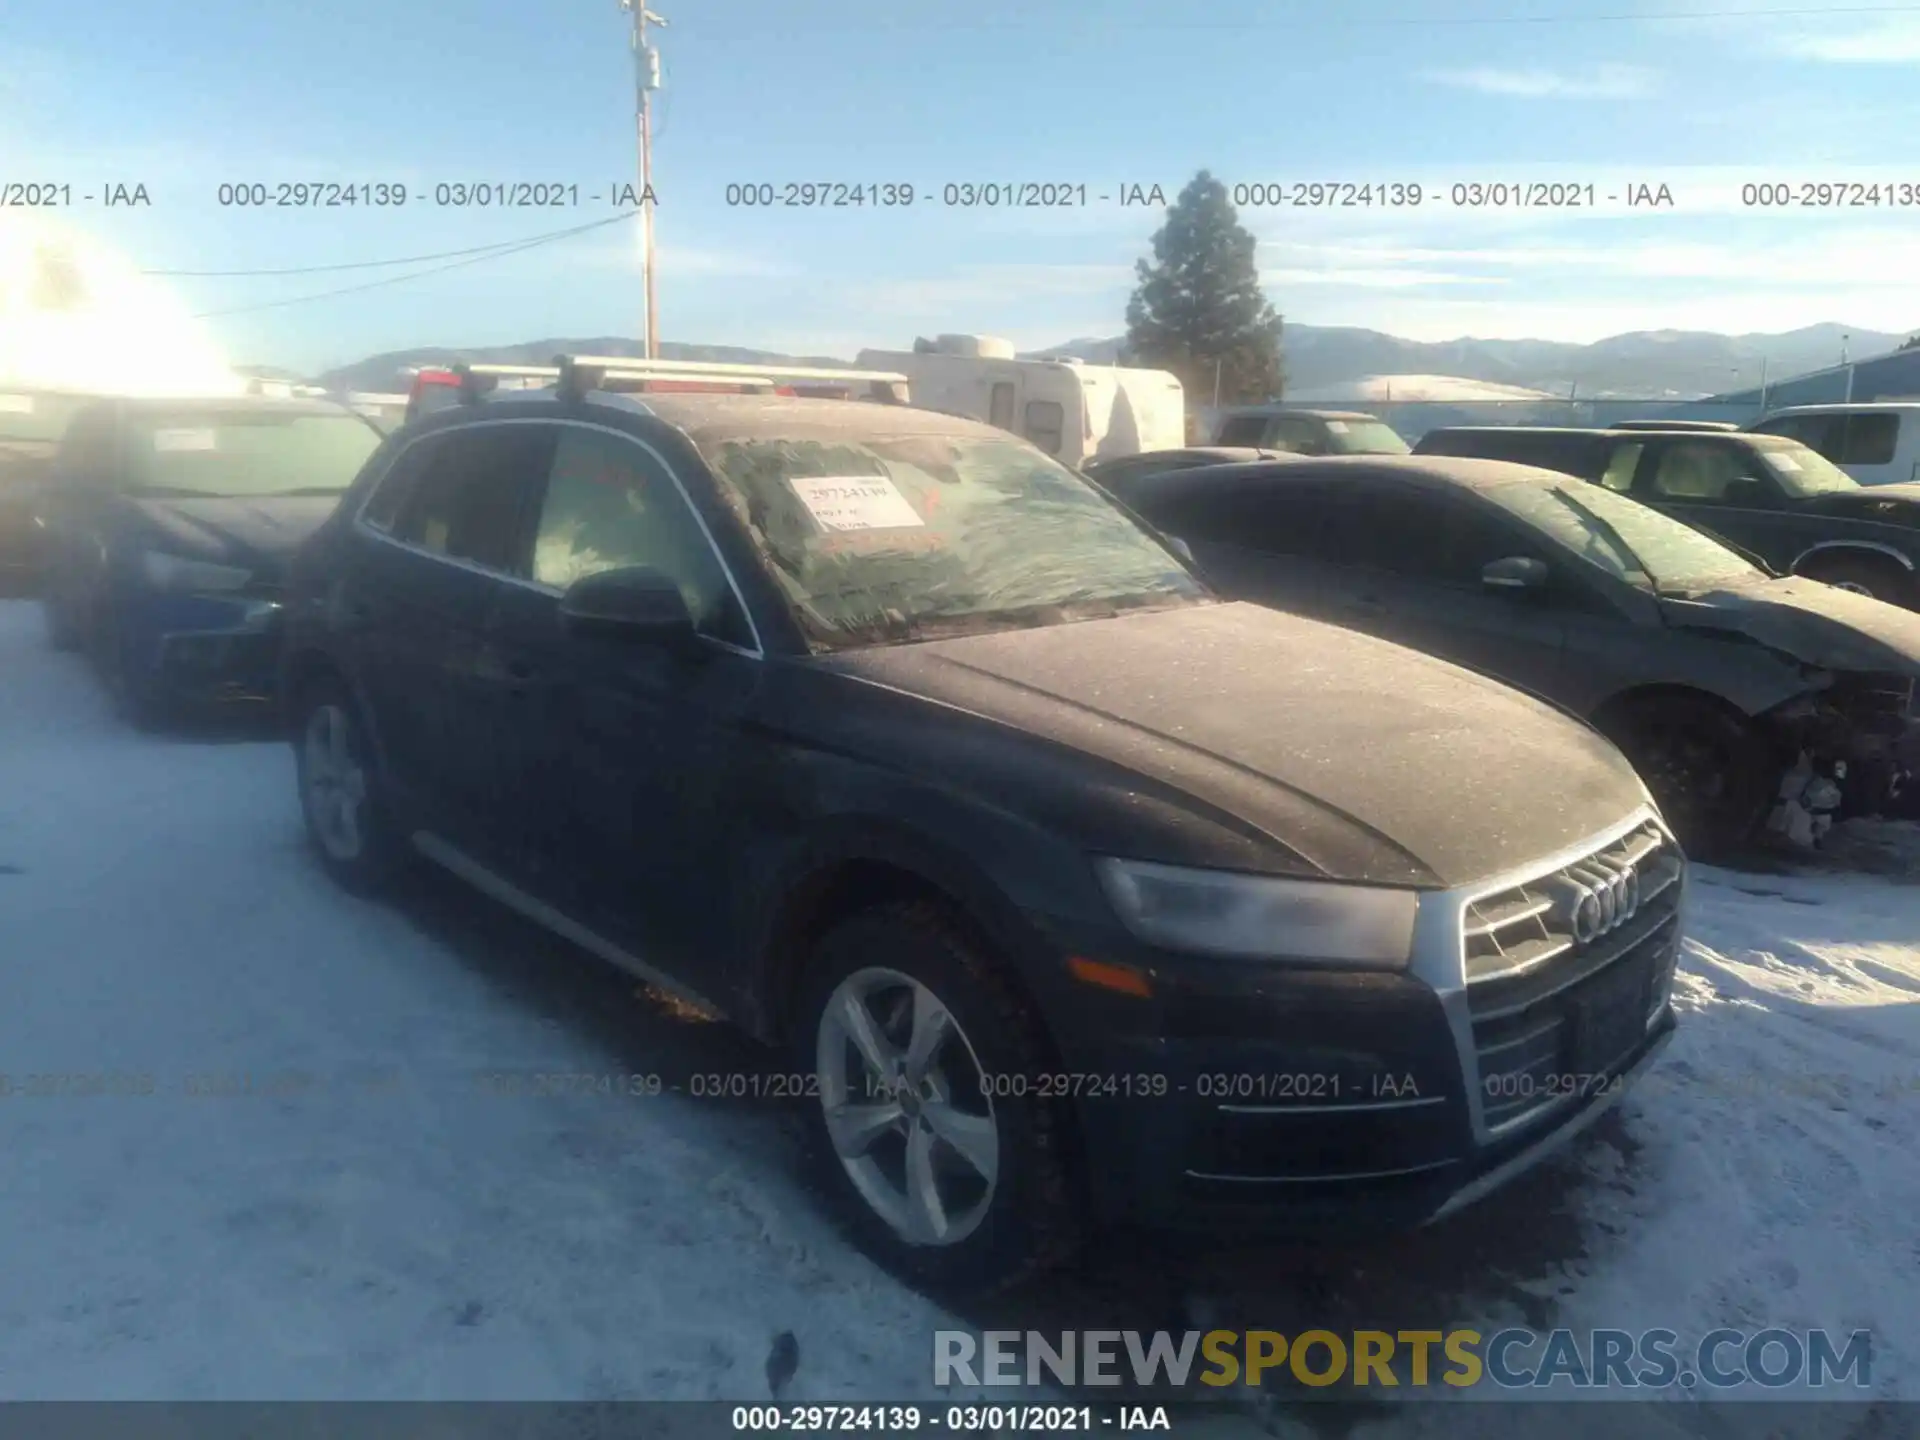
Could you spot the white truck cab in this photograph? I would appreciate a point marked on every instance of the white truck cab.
(1074, 411)
(1876, 442)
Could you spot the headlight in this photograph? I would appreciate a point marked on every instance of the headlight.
(171, 572)
(1217, 912)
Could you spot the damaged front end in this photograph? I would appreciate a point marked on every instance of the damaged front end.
(1855, 748)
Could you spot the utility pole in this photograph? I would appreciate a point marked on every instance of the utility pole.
(646, 78)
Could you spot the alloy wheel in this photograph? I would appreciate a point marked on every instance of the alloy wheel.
(336, 782)
(907, 1107)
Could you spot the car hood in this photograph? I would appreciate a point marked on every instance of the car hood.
(1814, 623)
(1889, 504)
(1370, 762)
(248, 531)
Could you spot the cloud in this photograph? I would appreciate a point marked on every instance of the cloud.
(1603, 82)
(1378, 279)
(1890, 42)
(1822, 262)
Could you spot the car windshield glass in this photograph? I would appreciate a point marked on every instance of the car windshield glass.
(34, 419)
(221, 454)
(1800, 471)
(1367, 437)
(1637, 544)
(877, 539)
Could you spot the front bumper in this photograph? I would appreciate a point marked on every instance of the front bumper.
(1274, 1101)
(207, 650)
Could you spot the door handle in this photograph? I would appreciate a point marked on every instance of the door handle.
(1365, 602)
(520, 675)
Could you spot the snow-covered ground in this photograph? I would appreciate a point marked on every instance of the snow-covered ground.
(372, 1222)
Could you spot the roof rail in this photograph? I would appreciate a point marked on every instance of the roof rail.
(579, 374)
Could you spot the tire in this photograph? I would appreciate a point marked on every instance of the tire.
(1865, 575)
(348, 821)
(63, 627)
(1712, 774)
(999, 1230)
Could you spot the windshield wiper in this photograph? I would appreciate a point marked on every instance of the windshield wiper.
(302, 491)
(174, 492)
(1614, 538)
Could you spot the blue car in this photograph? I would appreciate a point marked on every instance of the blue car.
(165, 526)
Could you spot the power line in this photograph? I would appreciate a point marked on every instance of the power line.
(502, 246)
(416, 275)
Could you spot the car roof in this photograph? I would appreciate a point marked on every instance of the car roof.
(1438, 471)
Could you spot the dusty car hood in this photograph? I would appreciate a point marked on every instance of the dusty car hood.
(1445, 776)
(1814, 623)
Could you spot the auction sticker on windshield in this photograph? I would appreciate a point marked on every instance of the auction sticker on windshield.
(168, 440)
(16, 404)
(856, 502)
(1337, 427)
(1781, 461)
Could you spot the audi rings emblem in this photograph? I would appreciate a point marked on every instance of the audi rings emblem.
(1596, 899)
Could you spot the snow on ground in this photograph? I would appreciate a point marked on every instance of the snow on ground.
(388, 1229)
(372, 1223)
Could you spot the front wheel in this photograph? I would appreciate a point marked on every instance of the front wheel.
(943, 1162)
(1864, 575)
(341, 799)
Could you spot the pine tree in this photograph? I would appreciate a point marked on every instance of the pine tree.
(1199, 305)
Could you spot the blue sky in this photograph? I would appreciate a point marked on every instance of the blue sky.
(183, 95)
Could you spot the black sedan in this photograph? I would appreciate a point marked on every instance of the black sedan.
(1713, 676)
(166, 524)
(1782, 503)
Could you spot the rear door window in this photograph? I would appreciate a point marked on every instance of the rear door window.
(1621, 467)
(1247, 430)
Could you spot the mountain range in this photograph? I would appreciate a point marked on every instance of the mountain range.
(1644, 364)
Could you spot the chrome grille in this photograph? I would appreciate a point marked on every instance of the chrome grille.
(1566, 972)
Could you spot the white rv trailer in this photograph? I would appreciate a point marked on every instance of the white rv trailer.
(1074, 411)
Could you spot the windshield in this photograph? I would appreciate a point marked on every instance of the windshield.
(916, 537)
(35, 419)
(1366, 437)
(1639, 545)
(225, 455)
(1800, 471)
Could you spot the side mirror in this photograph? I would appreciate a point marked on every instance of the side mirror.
(635, 603)
(1516, 572)
(1747, 490)
(1181, 548)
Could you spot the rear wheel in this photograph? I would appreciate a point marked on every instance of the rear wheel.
(1864, 575)
(341, 799)
(1711, 773)
(912, 1037)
